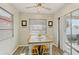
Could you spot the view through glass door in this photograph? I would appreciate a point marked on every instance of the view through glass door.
(75, 32)
(71, 41)
(68, 33)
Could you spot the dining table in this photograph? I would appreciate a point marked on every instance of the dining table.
(42, 40)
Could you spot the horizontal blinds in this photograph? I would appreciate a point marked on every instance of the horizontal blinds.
(38, 26)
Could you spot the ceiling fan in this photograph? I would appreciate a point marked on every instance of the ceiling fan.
(39, 5)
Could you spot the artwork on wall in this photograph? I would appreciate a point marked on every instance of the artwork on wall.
(50, 23)
(24, 23)
(6, 24)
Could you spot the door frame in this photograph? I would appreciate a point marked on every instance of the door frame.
(59, 32)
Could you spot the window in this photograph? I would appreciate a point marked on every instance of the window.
(38, 26)
(6, 24)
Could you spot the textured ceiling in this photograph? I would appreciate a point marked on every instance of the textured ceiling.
(54, 7)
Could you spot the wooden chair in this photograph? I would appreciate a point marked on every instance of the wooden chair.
(45, 50)
(35, 50)
(41, 49)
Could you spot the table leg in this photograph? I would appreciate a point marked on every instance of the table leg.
(50, 48)
(30, 51)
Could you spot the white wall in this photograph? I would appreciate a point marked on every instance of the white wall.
(65, 10)
(24, 31)
(7, 46)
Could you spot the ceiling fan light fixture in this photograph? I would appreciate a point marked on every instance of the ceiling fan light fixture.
(39, 6)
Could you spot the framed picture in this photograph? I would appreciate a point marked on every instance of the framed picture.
(6, 24)
(50, 23)
(24, 23)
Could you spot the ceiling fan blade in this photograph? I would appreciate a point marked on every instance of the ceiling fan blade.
(46, 8)
(31, 7)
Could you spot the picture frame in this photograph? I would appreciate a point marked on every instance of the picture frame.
(24, 23)
(50, 23)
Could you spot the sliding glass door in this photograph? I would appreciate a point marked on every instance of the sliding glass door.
(68, 33)
(71, 41)
(75, 32)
